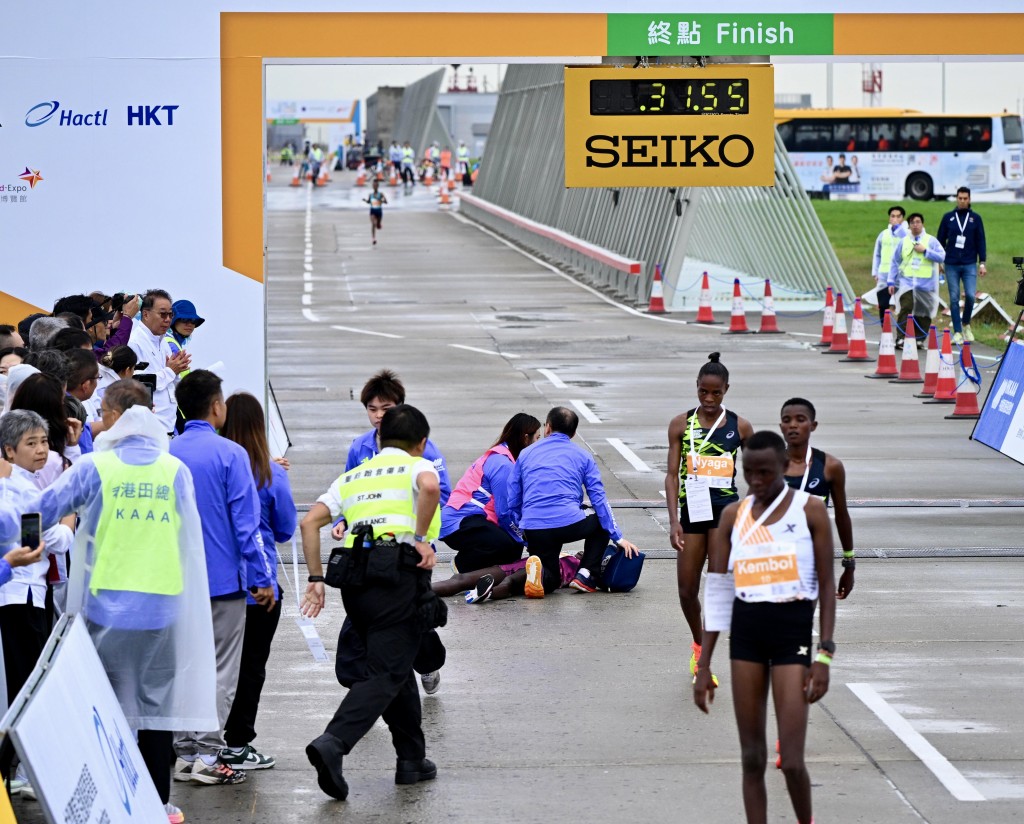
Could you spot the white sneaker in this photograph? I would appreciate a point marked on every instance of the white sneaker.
(958, 339)
(431, 681)
(183, 769)
(29, 792)
(968, 333)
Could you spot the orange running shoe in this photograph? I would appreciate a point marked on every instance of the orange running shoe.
(534, 577)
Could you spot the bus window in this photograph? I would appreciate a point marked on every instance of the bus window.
(910, 135)
(1012, 131)
(786, 133)
(813, 136)
(949, 136)
(882, 135)
(842, 138)
(976, 134)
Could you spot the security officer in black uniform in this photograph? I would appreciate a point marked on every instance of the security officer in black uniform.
(390, 506)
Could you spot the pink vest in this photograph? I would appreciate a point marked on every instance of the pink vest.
(471, 481)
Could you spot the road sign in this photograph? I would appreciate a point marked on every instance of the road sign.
(669, 126)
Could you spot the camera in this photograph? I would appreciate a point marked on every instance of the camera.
(1019, 263)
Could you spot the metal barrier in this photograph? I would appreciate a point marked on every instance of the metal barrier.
(766, 232)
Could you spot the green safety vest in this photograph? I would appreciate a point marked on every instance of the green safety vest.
(175, 349)
(923, 270)
(379, 492)
(463, 153)
(408, 153)
(136, 544)
(889, 242)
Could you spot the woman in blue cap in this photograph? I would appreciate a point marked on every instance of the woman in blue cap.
(184, 321)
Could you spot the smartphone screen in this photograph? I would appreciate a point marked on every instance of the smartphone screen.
(31, 529)
(148, 381)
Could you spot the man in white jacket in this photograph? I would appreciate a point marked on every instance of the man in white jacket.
(147, 341)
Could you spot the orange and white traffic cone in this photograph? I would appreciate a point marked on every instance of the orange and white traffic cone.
(910, 368)
(323, 179)
(445, 201)
(738, 319)
(295, 178)
(945, 385)
(931, 365)
(858, 350)
(967, 392)
(886, 367)
(450, 181)
(828, 320)
(361, 175)
(392, 178)
(428, 176)
(840, 340)
(268, 173)
(769, 325)
(704, 313)
(657, 302)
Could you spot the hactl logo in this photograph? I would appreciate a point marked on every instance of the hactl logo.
(43, 112)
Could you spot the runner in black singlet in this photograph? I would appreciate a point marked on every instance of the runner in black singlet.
(825, 478)
(376, 199)
(703, 441)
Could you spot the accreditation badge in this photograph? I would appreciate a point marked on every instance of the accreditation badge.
(698, 499)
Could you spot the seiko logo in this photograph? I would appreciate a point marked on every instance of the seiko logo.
(668, 150)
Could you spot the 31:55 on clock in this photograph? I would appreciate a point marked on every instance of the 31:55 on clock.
(665, 96)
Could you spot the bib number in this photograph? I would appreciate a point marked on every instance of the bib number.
(717, 470)
(766, 572)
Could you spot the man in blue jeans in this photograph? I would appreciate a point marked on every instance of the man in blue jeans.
(962, 235)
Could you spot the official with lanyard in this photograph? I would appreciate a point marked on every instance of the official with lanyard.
(390, 506)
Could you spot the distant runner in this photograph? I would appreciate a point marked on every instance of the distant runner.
(376, 199)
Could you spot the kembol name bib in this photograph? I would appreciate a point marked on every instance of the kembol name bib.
(766, 572)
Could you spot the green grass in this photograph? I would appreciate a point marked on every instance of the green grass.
(853, 226)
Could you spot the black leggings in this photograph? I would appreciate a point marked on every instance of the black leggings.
(480, 543)
(546, 544)
(157, 749)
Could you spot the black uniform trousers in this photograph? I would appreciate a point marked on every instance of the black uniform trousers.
(546, 544)
(480, 543)
(386, 621)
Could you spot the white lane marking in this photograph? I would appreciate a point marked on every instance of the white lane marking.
(366, 331)
(308, 315)
(307, 287)
(307, 299)
(483, 351)
(662, 493)
(629, 455)
(952, 779)
(551, 376)
(585, 411)
(307, 266)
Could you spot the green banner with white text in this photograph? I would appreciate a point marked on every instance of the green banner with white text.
(719, 34)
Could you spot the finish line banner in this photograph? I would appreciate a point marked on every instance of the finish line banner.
(72, 736)
(1001, 425)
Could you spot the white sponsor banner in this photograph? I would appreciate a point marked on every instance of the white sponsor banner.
(311, 111)
(81, 754)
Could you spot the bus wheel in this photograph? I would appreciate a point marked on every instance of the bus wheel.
(919, 186)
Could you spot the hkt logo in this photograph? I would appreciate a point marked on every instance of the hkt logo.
(31, 177)
(43, 112)
(150, 115)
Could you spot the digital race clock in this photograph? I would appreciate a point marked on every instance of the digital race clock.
(670, 96)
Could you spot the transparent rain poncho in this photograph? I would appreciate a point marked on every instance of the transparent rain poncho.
(157, 648)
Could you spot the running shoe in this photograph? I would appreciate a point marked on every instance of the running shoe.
(183, 769)
(431, 681)
(694, 658)
(17, 785)
(482, 590)
(958, 339)
(968, 333)
(29, 792)
(246, 758)
(174, 815)
(216, 773)
(534, 578)
(582, 582)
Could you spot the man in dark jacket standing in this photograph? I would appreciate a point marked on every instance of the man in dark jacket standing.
(962, 235)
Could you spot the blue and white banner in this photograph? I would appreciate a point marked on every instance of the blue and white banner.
(1001, 424)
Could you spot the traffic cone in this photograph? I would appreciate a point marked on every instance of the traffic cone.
(657, 304)
(361, 175)
(446, 200)
(268, 173)
(931, 365)
(704, 313)
(967, 391)
(738, 320)
(828, 320)
(840, 341)
(392, 179)
(858, 350)
(769, 325)
(910, 369)
(886, 351)
(451, 181)
(428, 176)
(295, 178)
(945, 385)
(324, 178)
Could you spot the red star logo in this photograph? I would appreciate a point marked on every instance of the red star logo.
(31, 177)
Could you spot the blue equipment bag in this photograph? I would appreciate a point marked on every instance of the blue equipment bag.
(619, 573)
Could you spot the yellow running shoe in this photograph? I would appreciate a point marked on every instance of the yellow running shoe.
(694, 658)
(534, 577)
